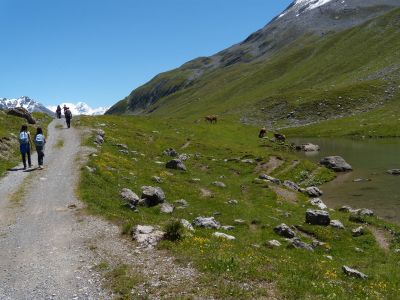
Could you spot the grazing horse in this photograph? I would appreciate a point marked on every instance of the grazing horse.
(280, 137)
(262, 133)
(211, 119)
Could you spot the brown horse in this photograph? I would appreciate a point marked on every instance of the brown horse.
(211, 119)
(262, 133)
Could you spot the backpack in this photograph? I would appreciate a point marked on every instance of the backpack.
(39, 140)
(68, 114)
(23, 138)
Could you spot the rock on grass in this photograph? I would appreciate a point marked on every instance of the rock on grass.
(152, 195)
(209, 223)
(285, 231)
(224, 236)
(317, 217)
(353, 273)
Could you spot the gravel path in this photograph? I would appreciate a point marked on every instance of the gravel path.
(49, 251)
(42, 250)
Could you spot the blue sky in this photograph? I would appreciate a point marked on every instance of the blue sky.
(97, 51)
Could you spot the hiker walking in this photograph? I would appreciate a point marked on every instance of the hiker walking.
(25, 145)
(68, 116)
(40, 141)
(58, 112)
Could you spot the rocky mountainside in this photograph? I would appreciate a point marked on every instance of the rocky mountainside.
(320, 38)
(25, 102)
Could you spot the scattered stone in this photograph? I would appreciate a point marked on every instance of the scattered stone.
(170, 152)
(183, 157)
(248, 161)
(273, 244)
(361, 180)
(101, 132)
(217, 213)
(358, 250)
(233, 202)
(346, 208)
(156, 179)
(181, 202)
(206, 193)
(336, 163)
(394, 172)
(298, 244)
(337, 224)
(123, 146)
(187, 224)
(354, 273)
(228, 227)
(313, 192)
(318, 202)
(317, 217)
(195, 180)
(308, 147)
(147, 236)
(224, 236)
(176, 164)
(316, 243)
(152, 195)
(359, 231)
(129, 197)
(269, 178)
(166, 208)
(99, 140)
(365, 212)
(90, 169)
(328, 257)
(123, 151)
(219, 184)
(285, 231)
(209, 223)
(291, 185)
(240, 221)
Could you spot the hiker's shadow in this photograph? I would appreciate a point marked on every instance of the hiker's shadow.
(30, 170)
(15, 169)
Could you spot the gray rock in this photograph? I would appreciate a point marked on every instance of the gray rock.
(187, 225)
(22, 113)
(183, 157)
(318, 202)
(99, 139)
(195, 180)
(233, 202)
(337, 224)
(313, 192)
(147, 236)
(176, 164)
(123, 146)
(285, 231)
(224, 236)
(353, 273)
(336, 163)
(170, 152)
(359, 231)
(269, 178)
(219, 184)
(90, 169)
(130, 197)
(123, 151)
(273, 244)
(240, 221)
(364, 212)
(101, 132)
(346, 208)
(248, 161)
(156, 179)
(317, 217)
(298, 244)
(291, 185)
(394, 172)
(328, 257)
(166, 208)
(358, 250)
(152, 195)
(308, 147)
(209, 223)
(228, 227)
(181, 202)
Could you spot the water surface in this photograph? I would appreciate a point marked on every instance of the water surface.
(370, 160)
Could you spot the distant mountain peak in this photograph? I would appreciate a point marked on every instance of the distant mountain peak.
(25, 102)
(81, 108)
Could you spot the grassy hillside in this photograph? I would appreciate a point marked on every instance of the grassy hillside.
(351, 72)
(9, 130)
(244, 268)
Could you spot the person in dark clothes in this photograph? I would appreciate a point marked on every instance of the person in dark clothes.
(40, 141)
(68, 117)
(25, 145)
(58, 112)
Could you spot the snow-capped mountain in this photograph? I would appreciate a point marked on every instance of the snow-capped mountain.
(81, 108)
(25, 102)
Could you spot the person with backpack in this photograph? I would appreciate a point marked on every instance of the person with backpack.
(58, 112)
(40, 141)
(68, 117)
(25, 145)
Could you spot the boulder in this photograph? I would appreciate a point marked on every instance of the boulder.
(273, 244)
(99, 139)
(291, 185)
(22, 113)
(269, 178)
(365, 212)
(394, 172)
(176, 164)
(224, 236)
(353, 273)
(209, 223)
(336, 163)
(170, 152)
(298, 244)
(187, 225)
(359, 231)
(166, 208)
(130, 197)
(147, 236)
(313, 192)
(317, 217)
(152, 195)
(285, 231)
(219, 184)
(318, 202)
(337, 224)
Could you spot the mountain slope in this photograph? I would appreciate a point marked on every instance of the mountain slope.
(26, 102)
(325, 65)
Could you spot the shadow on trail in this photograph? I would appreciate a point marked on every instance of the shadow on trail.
(30, 170)
(15, 169)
